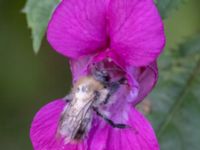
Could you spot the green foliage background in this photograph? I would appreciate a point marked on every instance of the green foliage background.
(28, 81)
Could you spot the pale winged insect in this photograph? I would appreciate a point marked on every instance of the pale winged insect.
(87, 95)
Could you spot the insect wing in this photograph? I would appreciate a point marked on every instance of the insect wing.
(74, 124)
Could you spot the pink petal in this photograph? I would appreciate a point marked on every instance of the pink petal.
(141, 79)
(44, 127)
(146, 77)
(147, 81)
(78, 27)
(79, 67)
(143, 129)
(136, 31)
(139, 137)
(101, 137)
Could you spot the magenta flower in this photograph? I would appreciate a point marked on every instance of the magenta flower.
(123, 38)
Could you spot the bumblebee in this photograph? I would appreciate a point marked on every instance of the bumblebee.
(87, 95)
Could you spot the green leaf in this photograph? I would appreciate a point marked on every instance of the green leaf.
(176, 99)
(38, 13)
(166, 6)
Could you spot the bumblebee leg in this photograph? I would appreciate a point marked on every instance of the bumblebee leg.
(113, 87)
(114, 125)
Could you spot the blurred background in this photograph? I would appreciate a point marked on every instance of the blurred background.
(28, 81)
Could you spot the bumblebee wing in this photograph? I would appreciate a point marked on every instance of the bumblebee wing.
(83, 126)
(74, 124)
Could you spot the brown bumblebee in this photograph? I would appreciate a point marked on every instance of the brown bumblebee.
(86, 96)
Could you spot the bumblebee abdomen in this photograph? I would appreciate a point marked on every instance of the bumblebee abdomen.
(79, 134)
